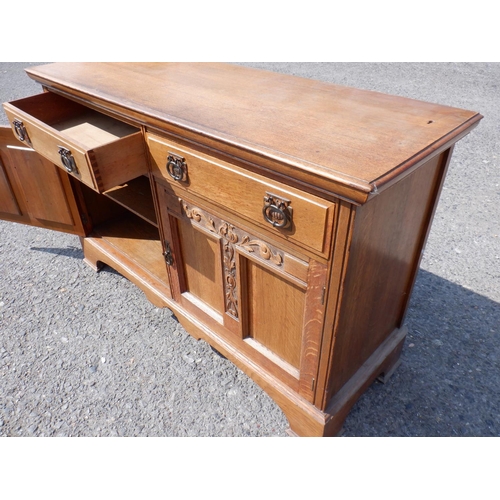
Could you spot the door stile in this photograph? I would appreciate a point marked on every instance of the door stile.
(313, 328)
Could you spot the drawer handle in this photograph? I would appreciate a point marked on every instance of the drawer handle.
(67, 160)
(277, 211)
(176, 167)
(20, 130)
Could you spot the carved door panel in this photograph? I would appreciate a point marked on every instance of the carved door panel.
(266, 301)
(33, 190)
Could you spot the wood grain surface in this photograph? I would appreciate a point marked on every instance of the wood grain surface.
(355, 137)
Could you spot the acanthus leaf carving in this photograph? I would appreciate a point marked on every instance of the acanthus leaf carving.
(199, 216)
(264, 250)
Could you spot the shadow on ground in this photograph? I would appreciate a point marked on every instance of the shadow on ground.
(73, 252)
(449, 381)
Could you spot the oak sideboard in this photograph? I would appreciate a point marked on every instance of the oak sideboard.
(281, 219)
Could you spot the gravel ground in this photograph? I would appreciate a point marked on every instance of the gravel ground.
(85, 354)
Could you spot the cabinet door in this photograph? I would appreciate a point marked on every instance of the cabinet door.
(267, 302)
(33, 190)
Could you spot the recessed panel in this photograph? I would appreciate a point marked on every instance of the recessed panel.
(201, 256)
(8, 202)
(275, 312)
(53, 207)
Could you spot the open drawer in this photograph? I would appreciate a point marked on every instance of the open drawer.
(100, 151)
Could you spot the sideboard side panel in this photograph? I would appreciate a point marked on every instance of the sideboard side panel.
(388, 238)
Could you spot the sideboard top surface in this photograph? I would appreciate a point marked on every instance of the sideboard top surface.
(358, 138)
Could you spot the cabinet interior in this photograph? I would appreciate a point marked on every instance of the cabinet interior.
(136, 197)
(124, 218)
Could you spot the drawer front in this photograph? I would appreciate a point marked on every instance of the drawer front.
(96, 149)
(287, 212)
(44, 141)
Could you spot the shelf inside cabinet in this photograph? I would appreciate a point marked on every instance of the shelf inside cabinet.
(136, 196)
(136, 240)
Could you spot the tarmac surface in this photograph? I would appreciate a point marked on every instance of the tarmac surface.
(86, 354)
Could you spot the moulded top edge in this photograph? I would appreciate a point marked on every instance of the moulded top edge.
(358, 138)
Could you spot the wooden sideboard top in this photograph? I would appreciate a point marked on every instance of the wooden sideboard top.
(355, 139)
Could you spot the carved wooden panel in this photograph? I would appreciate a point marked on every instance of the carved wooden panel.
(233, 239)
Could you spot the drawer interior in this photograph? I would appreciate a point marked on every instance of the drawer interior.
(74, 121)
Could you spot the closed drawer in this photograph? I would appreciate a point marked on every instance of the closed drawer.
(96, 149)
(287, 212)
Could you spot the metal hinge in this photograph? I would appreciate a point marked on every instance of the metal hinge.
(169, 258)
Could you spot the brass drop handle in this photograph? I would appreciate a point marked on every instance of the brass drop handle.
(67, 160)
(277, 211)
(20, 130)
(177, 167)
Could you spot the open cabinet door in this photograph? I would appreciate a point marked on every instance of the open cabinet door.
(34, 191)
